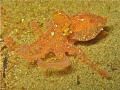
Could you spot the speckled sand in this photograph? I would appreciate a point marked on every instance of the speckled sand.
(19, 74)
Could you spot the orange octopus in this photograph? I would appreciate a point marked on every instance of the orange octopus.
(64, 31)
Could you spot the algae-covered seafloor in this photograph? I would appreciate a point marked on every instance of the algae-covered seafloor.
(19, 74)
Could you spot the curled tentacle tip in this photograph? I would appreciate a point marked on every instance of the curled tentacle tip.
(8, 41)
(106, 17)
(104, 73)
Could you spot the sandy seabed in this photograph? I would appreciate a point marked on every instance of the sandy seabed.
(19, 74)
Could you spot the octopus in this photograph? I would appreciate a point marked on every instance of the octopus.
(64, 30)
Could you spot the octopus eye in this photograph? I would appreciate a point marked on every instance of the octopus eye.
(66, 30)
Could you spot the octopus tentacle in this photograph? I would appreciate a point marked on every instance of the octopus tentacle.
(75, 51)
(63, 62)
(24, 50)
(35, 27)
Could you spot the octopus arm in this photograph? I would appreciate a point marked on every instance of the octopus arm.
(62, 63)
